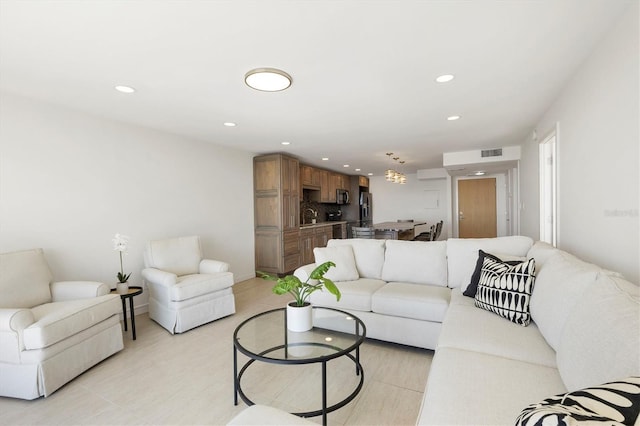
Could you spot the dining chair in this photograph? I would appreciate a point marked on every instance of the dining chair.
(427, 235)
(363, 232)
(438, 231)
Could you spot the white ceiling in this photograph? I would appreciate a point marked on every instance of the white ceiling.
(363, 71)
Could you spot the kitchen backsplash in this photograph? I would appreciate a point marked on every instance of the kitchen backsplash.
(322, 209)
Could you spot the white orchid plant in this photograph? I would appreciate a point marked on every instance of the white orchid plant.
(120, 243)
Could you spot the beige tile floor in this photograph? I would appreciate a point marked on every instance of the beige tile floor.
(161, 379)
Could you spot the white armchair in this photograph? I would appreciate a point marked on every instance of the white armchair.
(50, 332)
(185, 290)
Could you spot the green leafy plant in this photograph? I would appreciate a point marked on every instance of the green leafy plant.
(302, 290)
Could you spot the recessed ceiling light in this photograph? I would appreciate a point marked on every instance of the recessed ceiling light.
(444, 78)
(346, 165)
(357, 170)
(369, 174)
(479, 173)
(267, 79)
(325, 158)
(285, 143)
(229, 124)
(453, 117)
(125, 89)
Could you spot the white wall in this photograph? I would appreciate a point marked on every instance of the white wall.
(70, 181)
(598, 155)
(392, 201)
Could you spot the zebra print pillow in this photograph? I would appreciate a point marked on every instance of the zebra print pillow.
(615, 403)
(506, 289)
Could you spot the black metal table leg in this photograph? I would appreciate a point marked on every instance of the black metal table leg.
(133, 319)
(324, 393)
(124, 313)
(235, 375)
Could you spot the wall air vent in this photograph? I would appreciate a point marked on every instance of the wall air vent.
(491, 152)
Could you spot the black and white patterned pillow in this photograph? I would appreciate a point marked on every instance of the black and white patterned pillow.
(615, 403)
(506, 289)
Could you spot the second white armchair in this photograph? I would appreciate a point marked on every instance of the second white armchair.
(185, 290)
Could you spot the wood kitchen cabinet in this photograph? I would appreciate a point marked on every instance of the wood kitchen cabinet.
(327, 187)
(276, 181)
(310, 176)
(363, 181)
(312, 237)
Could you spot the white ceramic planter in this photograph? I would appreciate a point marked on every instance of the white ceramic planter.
(122, 288)
(299, 318)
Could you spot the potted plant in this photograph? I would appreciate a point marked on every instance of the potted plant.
(120, 245)
(299, 314)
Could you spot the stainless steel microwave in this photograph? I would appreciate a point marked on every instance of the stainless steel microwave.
(342, 196)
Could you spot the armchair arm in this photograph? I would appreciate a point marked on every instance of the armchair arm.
(304, 272)
(156, 276)
(12, 322)
(72, 290)
(15, 320)
(208, 266)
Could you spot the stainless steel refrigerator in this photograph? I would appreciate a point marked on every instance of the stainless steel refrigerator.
(366, 213)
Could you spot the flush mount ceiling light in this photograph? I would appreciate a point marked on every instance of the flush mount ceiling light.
(125, 89)
(444, 78)
(267, 79)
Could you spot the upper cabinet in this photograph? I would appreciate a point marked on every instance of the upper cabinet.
(310, 177)
(324, 180)
(363, 181)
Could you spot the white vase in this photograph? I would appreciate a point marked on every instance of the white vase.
(122, 288)
(299, 318)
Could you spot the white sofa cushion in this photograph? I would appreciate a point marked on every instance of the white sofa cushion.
(356, 295)
(472, 329)
(189, 286)
(180, 256)
(59, 320)
(600, 341)
(24, 279)
(471, 388)
(342, 256)
(559, 286)
(368, 254)
(462, 254)
(417, 262)
(421, 302)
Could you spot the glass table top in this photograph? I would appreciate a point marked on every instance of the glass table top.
(265, 336)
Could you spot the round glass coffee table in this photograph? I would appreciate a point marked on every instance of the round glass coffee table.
(264, 337)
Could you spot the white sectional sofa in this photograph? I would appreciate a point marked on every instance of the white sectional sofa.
(584, 330)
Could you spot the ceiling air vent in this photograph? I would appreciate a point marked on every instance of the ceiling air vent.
(491, 152)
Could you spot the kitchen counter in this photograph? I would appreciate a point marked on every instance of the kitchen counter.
(320, 224)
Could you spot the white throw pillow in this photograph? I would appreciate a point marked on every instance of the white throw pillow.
(601, 338)
(418, 262)
(369, 255)
(342, 256)
(559, 286)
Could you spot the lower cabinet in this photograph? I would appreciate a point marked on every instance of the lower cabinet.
(311, 238)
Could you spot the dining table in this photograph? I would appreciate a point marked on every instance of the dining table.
(396, 230)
